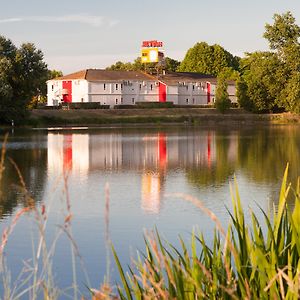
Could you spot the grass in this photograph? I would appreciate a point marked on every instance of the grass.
(246, 260)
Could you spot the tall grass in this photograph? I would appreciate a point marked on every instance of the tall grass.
(245, 261)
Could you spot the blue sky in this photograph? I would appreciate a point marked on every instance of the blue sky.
(75, 35)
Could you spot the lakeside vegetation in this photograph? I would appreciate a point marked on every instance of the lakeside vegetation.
(244, 261)
(191, 116)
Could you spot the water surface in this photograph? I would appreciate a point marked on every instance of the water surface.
(121, 182)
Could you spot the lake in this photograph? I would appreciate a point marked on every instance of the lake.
(117, 184)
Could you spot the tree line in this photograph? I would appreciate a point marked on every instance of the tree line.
(266, 80)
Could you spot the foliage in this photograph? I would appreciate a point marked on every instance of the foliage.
(284, 32)
(292, 101)
(23, 74)
(264, 77)
(243, 262)
(54, 74)
(222, 102)
(206, 59)
(270, 79)
(170, 65)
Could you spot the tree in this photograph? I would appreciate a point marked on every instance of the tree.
(284, 32)
(264, 76)
(269, 80)
(23, 74)
(170, 65)
(206, 59)
(54, 74)
(292, 102)
(222, 102)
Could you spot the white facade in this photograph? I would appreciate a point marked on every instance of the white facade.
(106, 93)
(190, 93)
(123, 92)
(179, 88)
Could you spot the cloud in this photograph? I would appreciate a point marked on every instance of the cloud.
(91, 20)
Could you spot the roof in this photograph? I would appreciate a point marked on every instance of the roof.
(174, 77)
(107, 75)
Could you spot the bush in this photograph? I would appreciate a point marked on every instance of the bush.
(154, 104)
(222, 104)
(124, 106)
(86, 105)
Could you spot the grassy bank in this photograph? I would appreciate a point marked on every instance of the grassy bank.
(199, 116)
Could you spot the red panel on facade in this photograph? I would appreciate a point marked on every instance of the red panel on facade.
(67, 86)
(162, 92)
(208, 88)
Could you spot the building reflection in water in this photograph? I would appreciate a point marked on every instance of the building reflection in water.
(68, 153)
(151, 155)
(153, 181)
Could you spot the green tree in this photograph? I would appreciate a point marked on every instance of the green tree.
(263, 81)
(284, 32)
(206, 59)
(54, 74)
(23, 74)
(222, 102)
(270, 78)
(170, 65)
(292, 100)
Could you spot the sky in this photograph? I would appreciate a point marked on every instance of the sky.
(75, 35)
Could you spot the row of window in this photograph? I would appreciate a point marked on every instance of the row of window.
(121, 102)
(193, 87)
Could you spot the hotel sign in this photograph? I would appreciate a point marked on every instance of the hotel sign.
(152, 44)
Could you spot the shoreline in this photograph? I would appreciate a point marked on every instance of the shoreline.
(40, 118)
(178, 116)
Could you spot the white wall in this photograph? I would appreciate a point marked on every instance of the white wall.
(129, 92)
(54, 89)
(122, 92)
(80, 91)
(192, 93)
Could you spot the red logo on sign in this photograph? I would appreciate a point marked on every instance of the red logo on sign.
(150, 44)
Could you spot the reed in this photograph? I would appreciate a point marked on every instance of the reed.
(245, 261)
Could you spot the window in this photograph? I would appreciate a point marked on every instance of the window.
(187, 87)
(82, 99)
(116, 101)
(104, 86)
(121, 100)
(187, 101)
(121, 86)
(52, 87)
(193, 100)
(140, 86)
(193, 87)
(132, 100)
(151, 87)
(117, 86)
